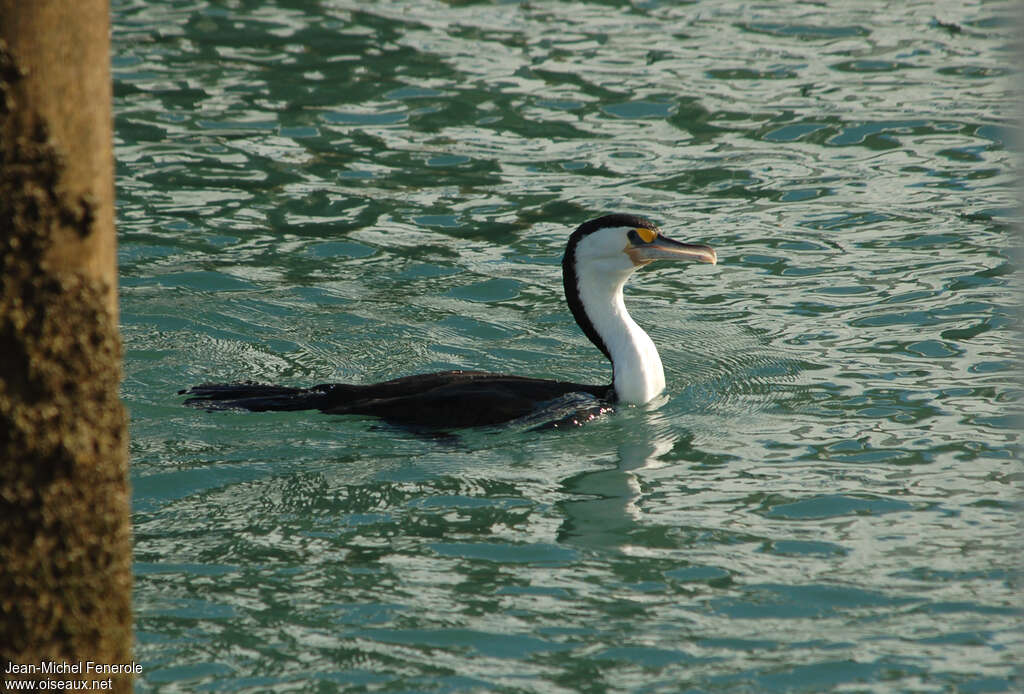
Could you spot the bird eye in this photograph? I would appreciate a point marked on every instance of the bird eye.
(641, 235)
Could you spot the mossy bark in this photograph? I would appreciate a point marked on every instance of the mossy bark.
(65, 534)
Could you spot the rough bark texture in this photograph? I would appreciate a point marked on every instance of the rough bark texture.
(65, 535)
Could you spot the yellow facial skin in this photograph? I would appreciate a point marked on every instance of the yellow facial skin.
(655, 247)
(647, 235)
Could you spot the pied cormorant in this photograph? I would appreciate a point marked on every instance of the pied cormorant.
(599, 257)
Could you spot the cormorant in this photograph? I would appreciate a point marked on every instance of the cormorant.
(600, 256)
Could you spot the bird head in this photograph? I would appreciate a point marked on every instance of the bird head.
(620, 243)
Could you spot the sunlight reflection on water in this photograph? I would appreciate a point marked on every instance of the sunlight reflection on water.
(826, 497)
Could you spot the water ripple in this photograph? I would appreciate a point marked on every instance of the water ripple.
(344, 191)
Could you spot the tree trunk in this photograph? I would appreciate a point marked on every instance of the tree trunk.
(65, 534)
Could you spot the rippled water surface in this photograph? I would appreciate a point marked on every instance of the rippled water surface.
(827, 498)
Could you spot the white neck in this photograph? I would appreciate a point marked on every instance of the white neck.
(639, 375)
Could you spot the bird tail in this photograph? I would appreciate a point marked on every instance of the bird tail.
(255, 397)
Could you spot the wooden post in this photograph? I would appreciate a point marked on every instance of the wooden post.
(65, 534)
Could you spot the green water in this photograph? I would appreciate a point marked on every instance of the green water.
(826, 499)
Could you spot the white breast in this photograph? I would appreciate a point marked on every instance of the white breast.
(601, 275)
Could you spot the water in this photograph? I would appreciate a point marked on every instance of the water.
(827, 498)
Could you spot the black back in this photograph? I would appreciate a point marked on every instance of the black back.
(448, 399)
